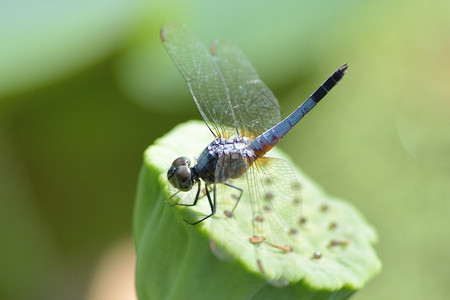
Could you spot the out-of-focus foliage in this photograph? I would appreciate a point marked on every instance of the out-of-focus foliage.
(47, 40)
(86, 86)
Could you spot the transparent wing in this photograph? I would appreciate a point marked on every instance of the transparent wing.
(262, 208)
(276, 203)
(255, 107)
(203, 77)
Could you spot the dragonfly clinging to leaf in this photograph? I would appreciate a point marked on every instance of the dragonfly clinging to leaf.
(244, 117)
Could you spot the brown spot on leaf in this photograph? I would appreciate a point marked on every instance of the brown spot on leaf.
(333, 225)
(257, 239)
(228, 214)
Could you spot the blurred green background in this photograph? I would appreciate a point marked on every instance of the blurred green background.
(86, 86)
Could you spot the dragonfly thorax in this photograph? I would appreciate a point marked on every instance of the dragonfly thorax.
(224, 159)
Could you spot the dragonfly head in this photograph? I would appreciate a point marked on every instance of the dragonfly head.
(179, 174)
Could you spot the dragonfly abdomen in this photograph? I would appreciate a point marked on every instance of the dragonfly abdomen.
(265, 141)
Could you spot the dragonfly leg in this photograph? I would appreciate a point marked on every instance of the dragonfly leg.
(197, 197)
(172, 197)
(212, 204)
(237, 200)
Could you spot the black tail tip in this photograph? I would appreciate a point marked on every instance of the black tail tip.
(343, 68)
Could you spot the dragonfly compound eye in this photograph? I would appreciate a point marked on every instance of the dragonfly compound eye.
(179, 174)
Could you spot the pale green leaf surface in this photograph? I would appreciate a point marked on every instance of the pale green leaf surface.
(167, 245)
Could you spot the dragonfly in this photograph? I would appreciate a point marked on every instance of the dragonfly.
(243, 116)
